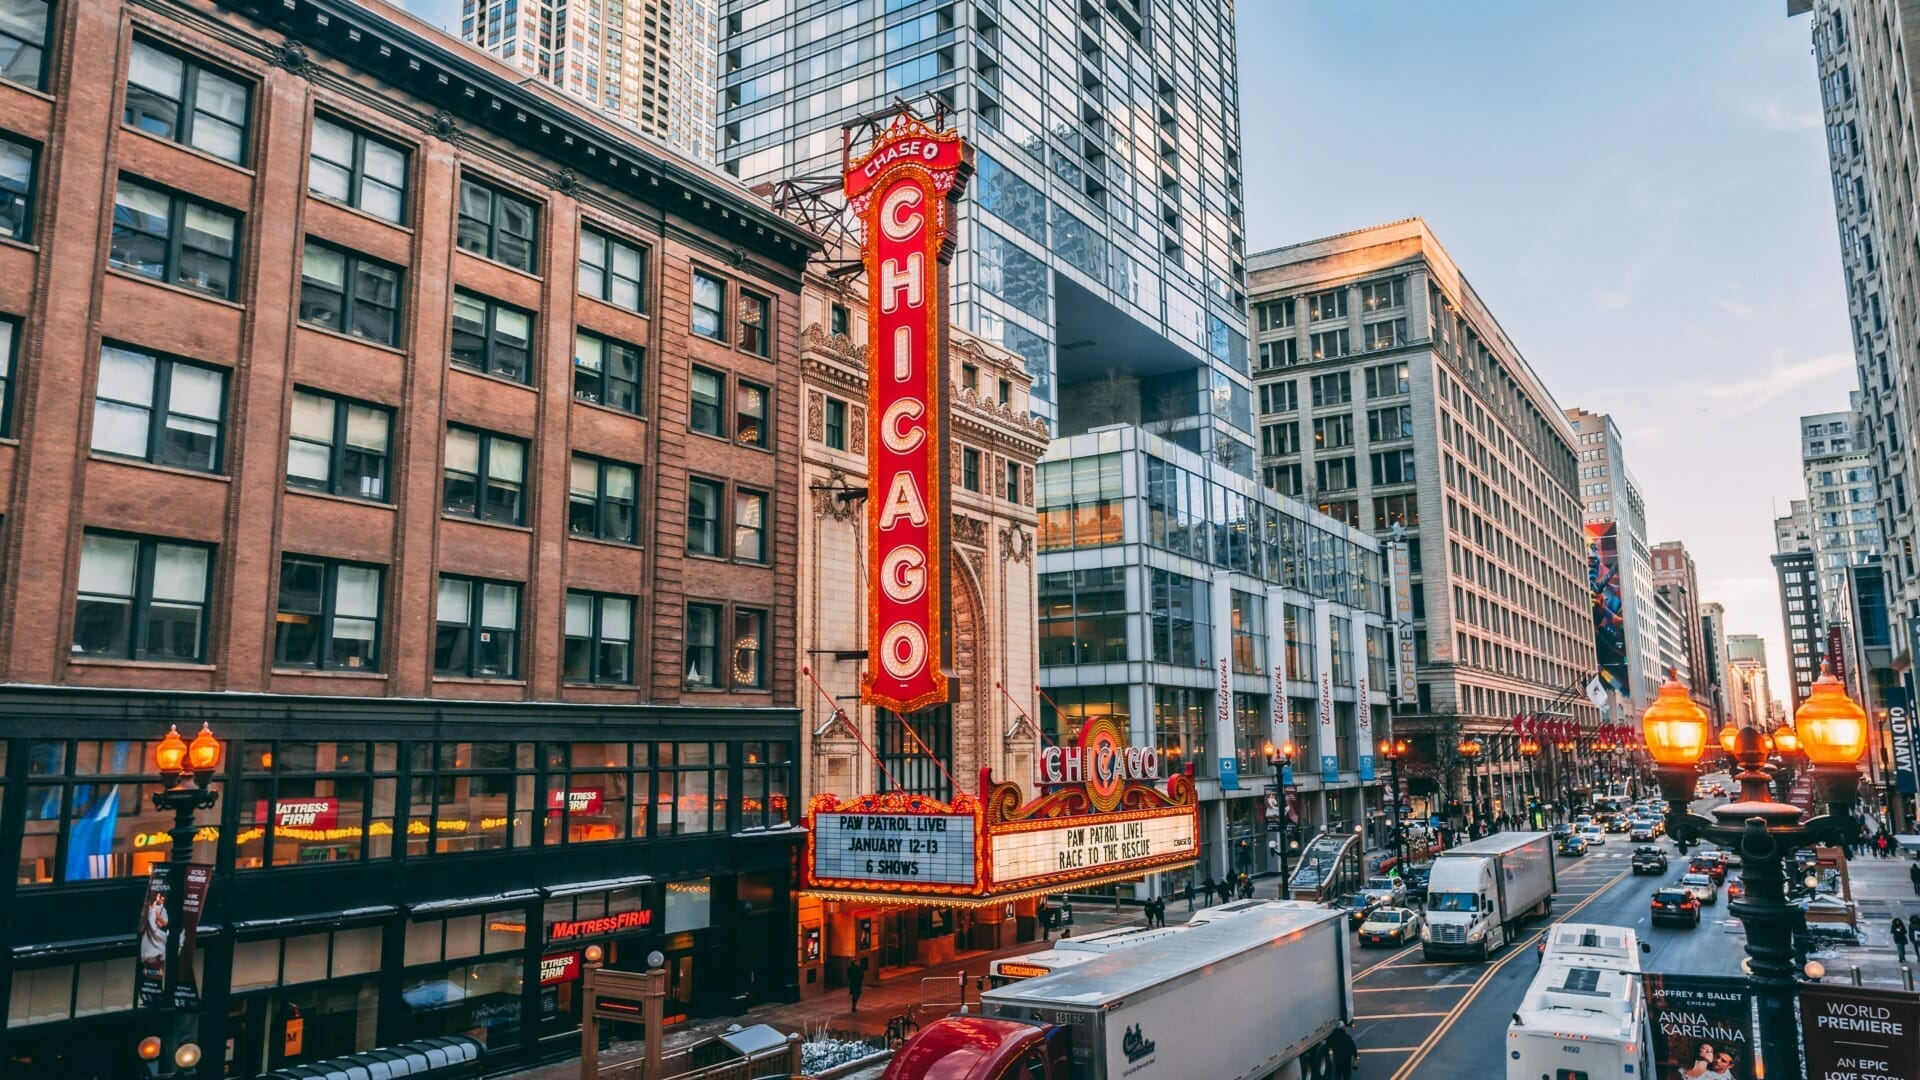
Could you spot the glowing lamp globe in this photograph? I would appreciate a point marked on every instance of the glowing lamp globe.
(204, 752)
(1832, 727)
(1729, 737)
(1675, 727)
(171, 754)
(1786, 741)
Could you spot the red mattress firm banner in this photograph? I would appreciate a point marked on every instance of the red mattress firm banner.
(903, 190)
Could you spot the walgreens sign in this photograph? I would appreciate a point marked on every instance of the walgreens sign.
(903, 189)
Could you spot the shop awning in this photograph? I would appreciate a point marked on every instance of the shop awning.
(608, 885)
(516, 896)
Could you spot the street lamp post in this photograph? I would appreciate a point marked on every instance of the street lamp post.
(1530, 750)
(1393, 750)
(187, 771)
(1832, 734)
(1471, 748)
(1279, 759)
(1786, 745)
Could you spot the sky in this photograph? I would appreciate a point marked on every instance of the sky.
(1637, 189)
(1639, 192)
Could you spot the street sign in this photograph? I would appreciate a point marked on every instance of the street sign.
(1702, 1025)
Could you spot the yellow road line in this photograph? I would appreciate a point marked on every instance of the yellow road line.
(1405, 989)
(1396, 1016)
(1389, 1049)
(1384, 963)
(1426, 1047)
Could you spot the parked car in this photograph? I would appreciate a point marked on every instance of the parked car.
(1390, 889)
(1358, 906)
(1648, 860)
(1704, 863)
(1594, 835)
(1390, 925)
(1703, 888)
(1675, 905)
(1571, 845)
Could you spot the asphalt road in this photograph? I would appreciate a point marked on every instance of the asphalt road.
(1419, 1019)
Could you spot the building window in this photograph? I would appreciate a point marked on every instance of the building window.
(1327, 305)
(602, 500)
(1333, 432)
(1280, 397)
(836, 432)
(17, 163)
(750, 526)
(607, 372)
(173, 239)
(350, 293)
(186, 102)
(750, 427)
(1275, 315)
(159, 409)
(599, 639)
(477, 628)
(756, 325)
(916, 752)
(691, 796)
(1334, 474)
(1276, 439)
(1083, 617)
(9, 356)
(23, 41)
(1013, 482)
(704, 500)
(1279, 354)
(1180, 619)
(469, 796)
(497, 226)
(1391, 510)
(613, 270)
(1284, 479)
(1393, 467)
(749, 663)
(1387, 424)
(1385, 335)
(1386, 380)
(970, 468)
(491, 337)
(142, 599)
(1335, 389)
(1329, 344)
(485, 476)
(329, 615)
(766, 779)
(1375, 295)
(709, 306)
(338, 446)
(837, 320)
(703, 647)
(706, 389)
(351, 167)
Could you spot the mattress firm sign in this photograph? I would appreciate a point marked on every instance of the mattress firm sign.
(1089, 847)
(911, 849)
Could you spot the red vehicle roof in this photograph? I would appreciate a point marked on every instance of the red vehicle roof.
(962, 1048)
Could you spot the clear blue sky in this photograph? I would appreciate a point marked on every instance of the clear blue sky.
(1637, 189)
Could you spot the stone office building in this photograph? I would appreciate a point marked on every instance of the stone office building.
(427, 437)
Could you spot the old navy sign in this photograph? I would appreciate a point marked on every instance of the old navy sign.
(1906, 756)
(903, 190)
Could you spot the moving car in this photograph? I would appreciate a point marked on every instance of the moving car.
(1649, 860)
(1389, 889)
(1562, 829)
(1703, 888)
(1642, 830)
(1415, 877)
(1571, 845)
(1390, 926)
(1704, 863)
(1675, 905)
(1618, 823)
(1358, 907)
(1736, 888)
(1594, 835)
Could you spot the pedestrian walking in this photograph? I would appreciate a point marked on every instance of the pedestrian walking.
(1913, 932)
(1913, 873)
(1189, 891)
(1345, 1054)
(856, 981)
(1900, 939)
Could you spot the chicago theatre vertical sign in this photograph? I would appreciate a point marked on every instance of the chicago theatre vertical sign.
(904, 190)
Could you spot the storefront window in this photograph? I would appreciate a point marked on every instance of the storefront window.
(766, 775)
(689, 905)
(70, 991)
(305, 997)
(480, 1000)
(470, 797)
(89, 816)
(691, 795)
(590, 793)
(316, 802)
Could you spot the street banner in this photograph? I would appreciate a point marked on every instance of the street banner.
(1279, 730)
(1406, 684)
(1363, 696)
(1702, 1026)
(150, 979)
(1906, 757)
(1326, 739)
(186, 994)
(1609, 612)
(1597, 693)
(1855, 1033)
(903, 189)
(1837, 654)
(1223, 734)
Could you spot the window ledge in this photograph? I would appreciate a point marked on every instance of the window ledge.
(623, 545)
(295, 489)
(478, 680)
(605, 408)
(354, 338)
(193, 151)
(139, 665)
(332, 673)
(610, 305)
(359, 213)
(114, 271)
(23, 245)
(445, 516)
(491, 377)
(175, 470)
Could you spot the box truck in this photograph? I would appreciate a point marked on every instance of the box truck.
(1478, 893)
(1242, 998)
(1585, 1014)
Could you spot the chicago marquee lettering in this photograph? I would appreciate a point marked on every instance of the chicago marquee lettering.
(903, 191)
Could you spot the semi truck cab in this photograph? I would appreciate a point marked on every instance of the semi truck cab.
(1462, 910)
(984, 1048)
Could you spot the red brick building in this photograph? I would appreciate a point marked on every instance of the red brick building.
(432, 439)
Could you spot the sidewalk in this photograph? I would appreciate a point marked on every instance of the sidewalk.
(1881, 891)
(881, 1001)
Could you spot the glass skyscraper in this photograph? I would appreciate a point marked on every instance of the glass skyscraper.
(1101, 237)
